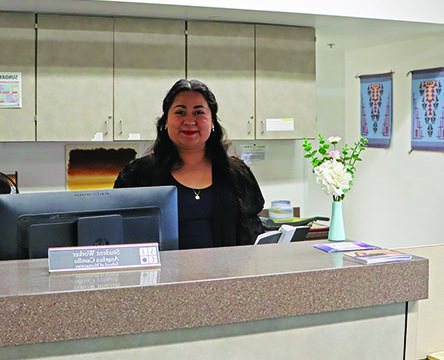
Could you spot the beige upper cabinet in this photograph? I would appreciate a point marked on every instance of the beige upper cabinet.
(263, 77)
(149, 58)
(285, 82)
(17, 44)
(74, 78)
(222, 56)
(104, 79)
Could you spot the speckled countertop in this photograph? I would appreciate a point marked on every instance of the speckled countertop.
(195, 288)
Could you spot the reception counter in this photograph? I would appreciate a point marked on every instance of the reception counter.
(229, 299)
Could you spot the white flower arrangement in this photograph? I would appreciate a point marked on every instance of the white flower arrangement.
(334, 169)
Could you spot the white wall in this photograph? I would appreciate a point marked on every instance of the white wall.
(398, 197)
(40, 165)
(281, 175)
(330, 115)
(425, 325)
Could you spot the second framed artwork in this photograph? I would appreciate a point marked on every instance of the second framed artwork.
(428, 109)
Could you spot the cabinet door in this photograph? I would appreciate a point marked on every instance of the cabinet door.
(74, 78)
(149, 59)
(17, 54)
(285, 82)
(222, 56)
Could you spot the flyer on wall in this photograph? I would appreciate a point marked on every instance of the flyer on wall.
(10, 90)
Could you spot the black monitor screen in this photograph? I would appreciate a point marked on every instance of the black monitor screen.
(30, 223)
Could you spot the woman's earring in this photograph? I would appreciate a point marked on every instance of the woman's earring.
(166, 126)
(212, 129)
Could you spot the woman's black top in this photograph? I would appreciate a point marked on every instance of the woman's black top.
(227, 209)
(195, 217)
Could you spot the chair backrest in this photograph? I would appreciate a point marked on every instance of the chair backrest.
(293, 233)
(285, 234)
(269, 237)
(301, 233)
(7, 185)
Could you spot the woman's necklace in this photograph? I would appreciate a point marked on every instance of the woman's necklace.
(186, 175)
(197, 194)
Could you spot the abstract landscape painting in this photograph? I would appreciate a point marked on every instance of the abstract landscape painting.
(95, 167)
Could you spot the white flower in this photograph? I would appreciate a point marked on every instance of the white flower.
(333, 177)
(333, 139)
(335, 154)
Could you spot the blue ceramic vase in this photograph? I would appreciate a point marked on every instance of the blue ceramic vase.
(337, 231)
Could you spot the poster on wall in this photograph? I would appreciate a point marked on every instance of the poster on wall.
(10, 90)
(427, 110)
(376, 109)
(96, 167)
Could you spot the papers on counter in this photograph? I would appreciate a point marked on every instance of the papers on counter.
(344, 246)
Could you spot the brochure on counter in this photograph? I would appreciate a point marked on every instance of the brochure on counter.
(363, 253)
(376, 256)
(344, 246)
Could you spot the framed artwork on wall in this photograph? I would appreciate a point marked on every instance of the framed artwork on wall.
(376, 109)
(90, 167)
(427, 110)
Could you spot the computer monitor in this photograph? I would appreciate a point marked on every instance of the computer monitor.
(30, 223)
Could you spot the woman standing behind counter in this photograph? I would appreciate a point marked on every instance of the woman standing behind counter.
(219, 198)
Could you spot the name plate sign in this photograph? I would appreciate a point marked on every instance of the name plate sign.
(104, 257)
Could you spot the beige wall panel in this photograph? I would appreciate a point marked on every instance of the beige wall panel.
(149, 58)
(285, 80)
(222, 55)
(74, 78)
(17, 44)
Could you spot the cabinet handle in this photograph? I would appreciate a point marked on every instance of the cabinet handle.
(262, 127)
(249, 127)
(120, 127)
(107, 125)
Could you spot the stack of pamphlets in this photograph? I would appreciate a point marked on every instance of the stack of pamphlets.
(344, 246)
(363, 253)
(376, 256)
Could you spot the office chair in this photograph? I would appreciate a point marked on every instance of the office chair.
(7, 185)
(285, 234)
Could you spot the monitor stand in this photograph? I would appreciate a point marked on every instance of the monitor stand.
(100, 230)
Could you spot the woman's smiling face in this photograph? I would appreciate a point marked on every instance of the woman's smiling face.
(189, 121)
